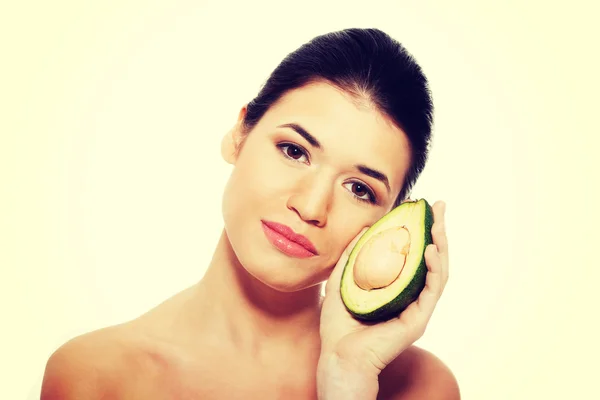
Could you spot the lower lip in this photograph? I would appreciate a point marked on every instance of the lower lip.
(285, 245)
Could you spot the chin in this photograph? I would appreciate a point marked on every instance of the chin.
(263, 262)
(280, 272)
(289, 286)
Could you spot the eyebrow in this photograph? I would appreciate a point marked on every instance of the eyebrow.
(373, 173)
(304, 133)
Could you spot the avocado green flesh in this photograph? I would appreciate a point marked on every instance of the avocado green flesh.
(390, 301)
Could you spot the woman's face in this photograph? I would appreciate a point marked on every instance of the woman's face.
(323, 186)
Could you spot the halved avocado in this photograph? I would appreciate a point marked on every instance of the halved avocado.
(383, 303)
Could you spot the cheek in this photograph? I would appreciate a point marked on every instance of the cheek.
(255, 184)
(345, 225)
(255, 180)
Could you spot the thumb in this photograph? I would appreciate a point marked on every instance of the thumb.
(333, 284)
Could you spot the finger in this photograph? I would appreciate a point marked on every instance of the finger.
(336, 274)
(439, 236)
(438, 230)
(434, 283)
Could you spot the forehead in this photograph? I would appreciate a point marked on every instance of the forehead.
(350, 131)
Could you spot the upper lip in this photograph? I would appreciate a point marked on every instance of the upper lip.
(289, 233)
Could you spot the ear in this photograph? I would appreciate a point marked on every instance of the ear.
(232, 141)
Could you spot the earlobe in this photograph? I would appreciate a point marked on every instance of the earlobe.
(228, 149)
(231, 142)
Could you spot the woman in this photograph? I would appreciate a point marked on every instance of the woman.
(334, 140)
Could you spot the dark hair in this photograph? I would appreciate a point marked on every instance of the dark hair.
(368, 64)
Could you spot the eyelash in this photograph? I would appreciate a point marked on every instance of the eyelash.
(372, 198)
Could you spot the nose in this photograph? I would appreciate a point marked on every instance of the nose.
(312, 200)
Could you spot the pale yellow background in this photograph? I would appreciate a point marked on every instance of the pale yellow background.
(111, 113)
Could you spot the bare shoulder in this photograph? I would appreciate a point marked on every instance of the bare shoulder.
(418, 374)
(97, 365)
(79, 368)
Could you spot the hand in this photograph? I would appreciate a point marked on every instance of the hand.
(369, 347)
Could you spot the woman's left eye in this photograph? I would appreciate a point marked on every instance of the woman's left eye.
(292, 151)
(362, 192)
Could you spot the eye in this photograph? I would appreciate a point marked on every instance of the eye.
(362, 192)
(293, 151)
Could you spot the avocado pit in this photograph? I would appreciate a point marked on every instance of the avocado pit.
(381, 260)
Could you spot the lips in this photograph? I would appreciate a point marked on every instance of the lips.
(292, 236)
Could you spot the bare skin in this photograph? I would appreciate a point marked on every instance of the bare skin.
(250, 328)
(152, 357)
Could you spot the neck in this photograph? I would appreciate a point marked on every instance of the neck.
(253, 315)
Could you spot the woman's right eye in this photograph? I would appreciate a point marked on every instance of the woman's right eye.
(293, 152)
